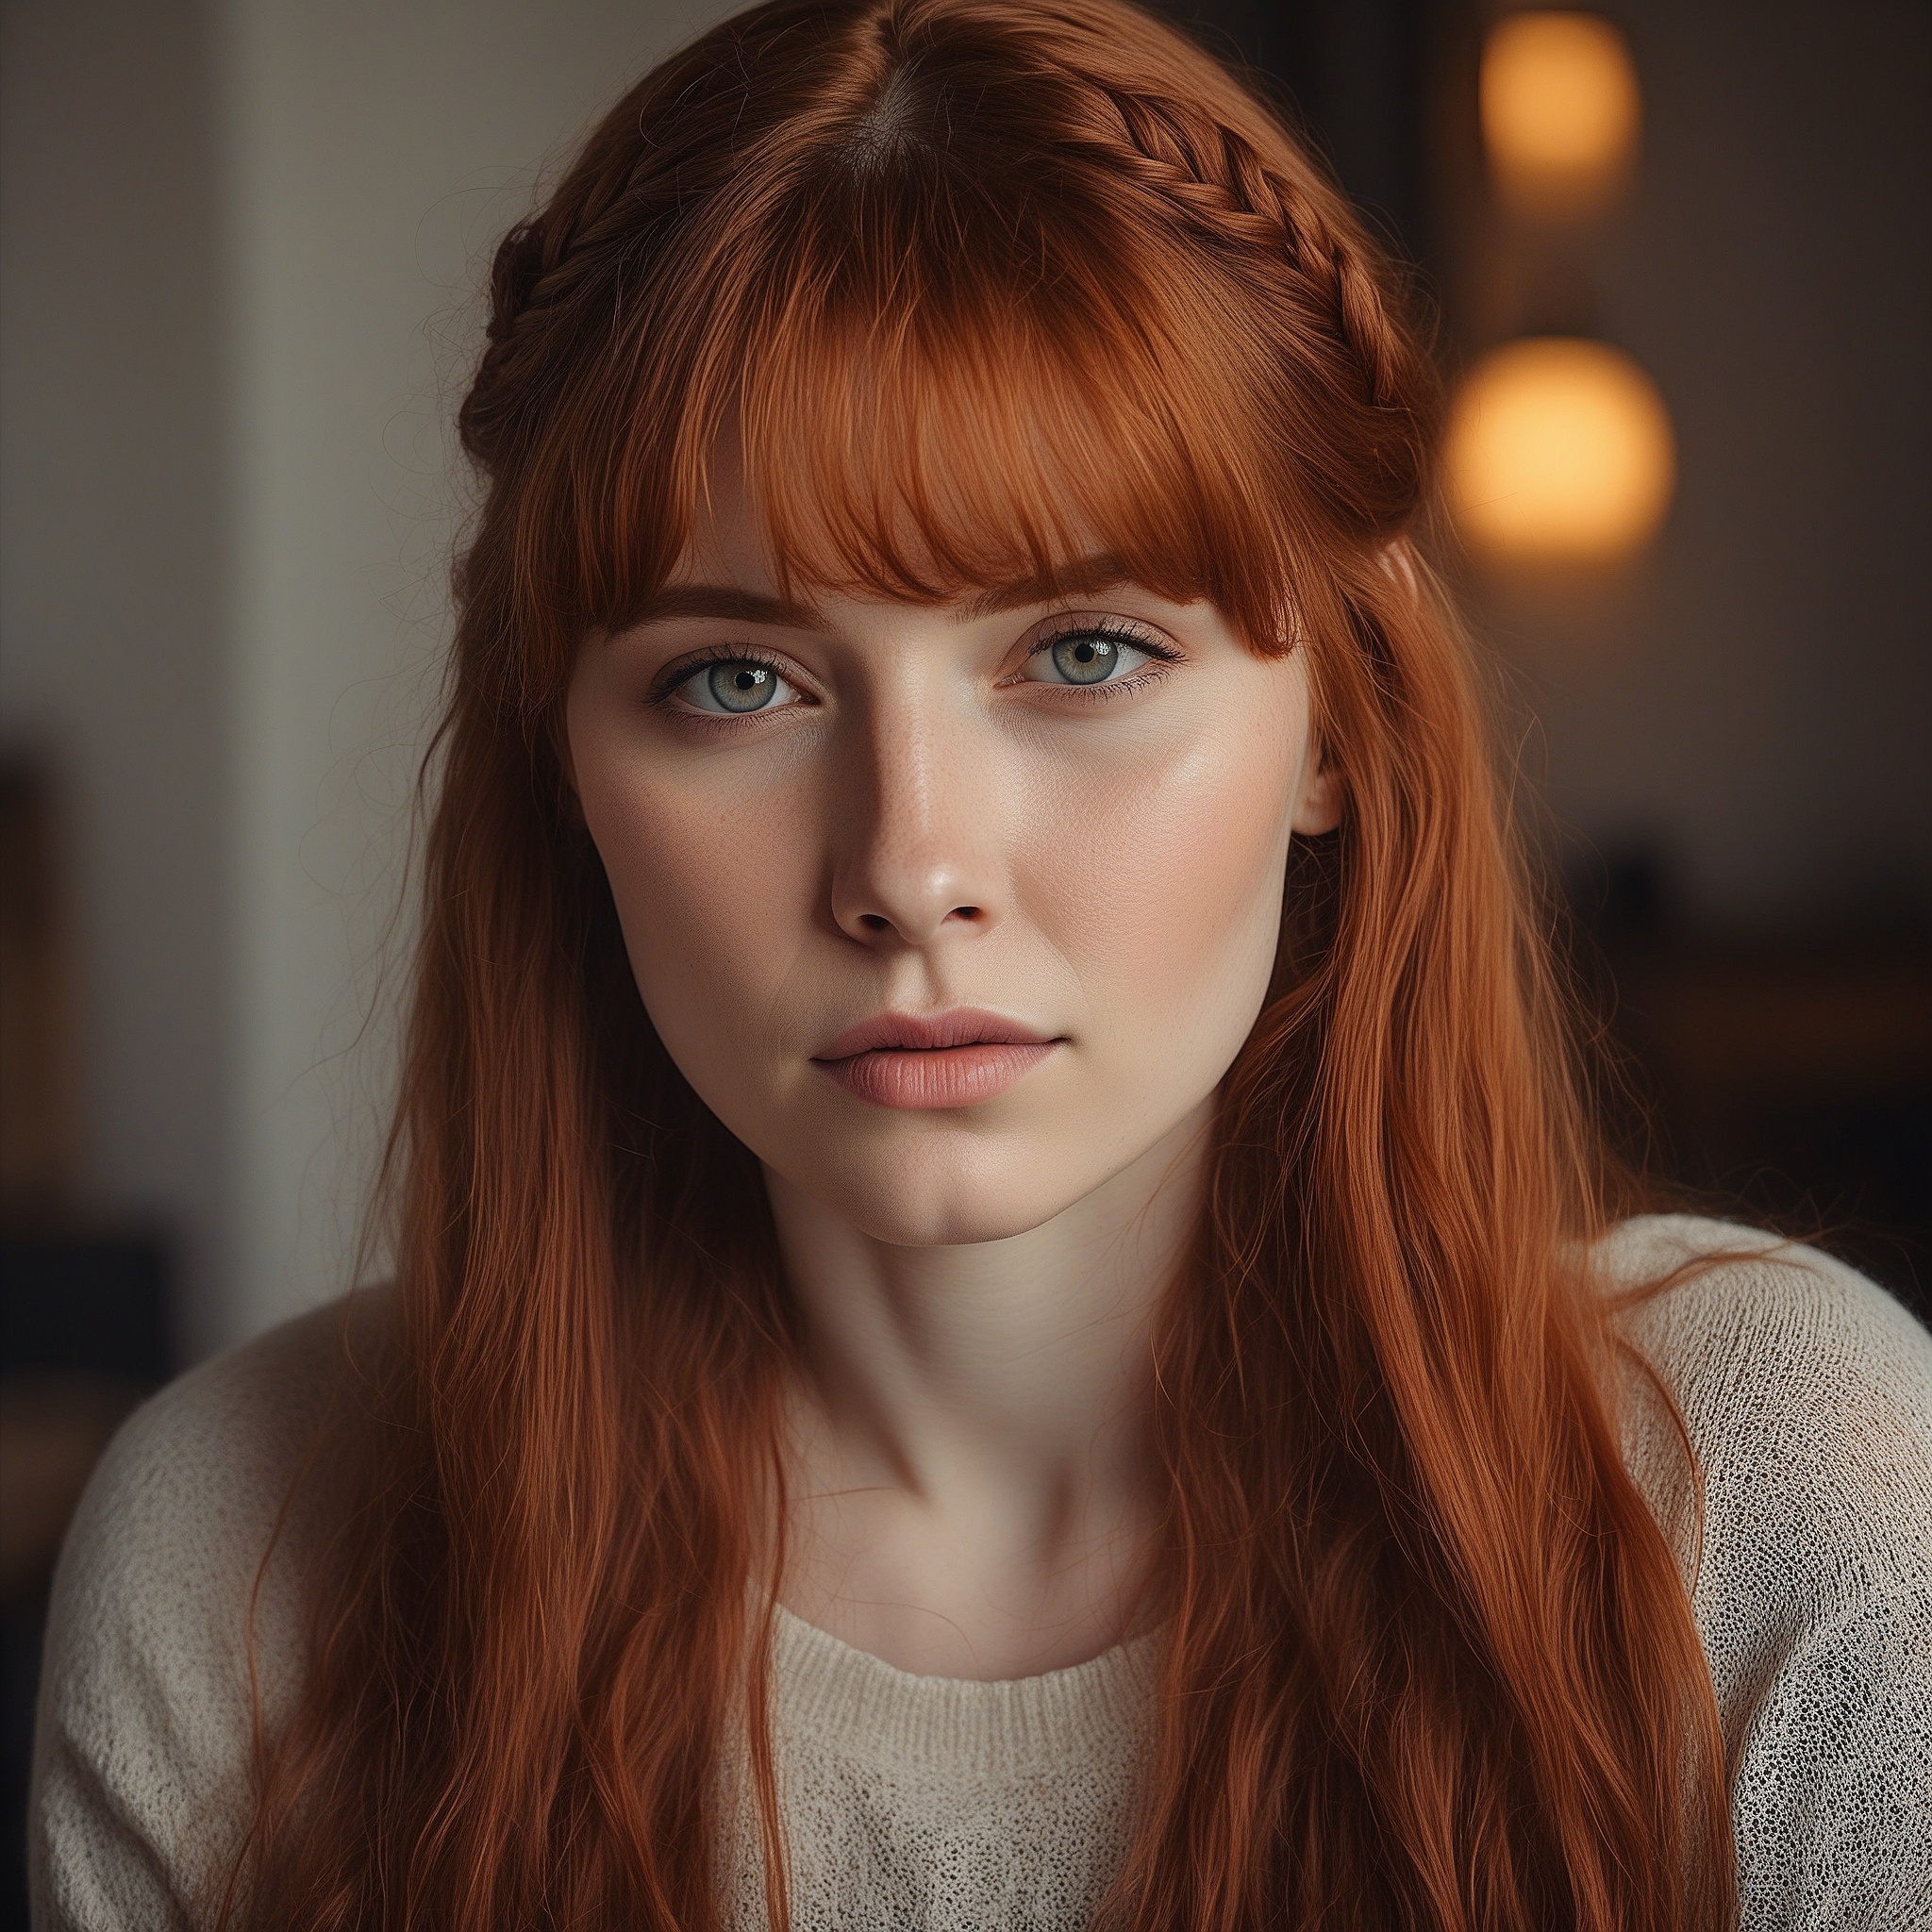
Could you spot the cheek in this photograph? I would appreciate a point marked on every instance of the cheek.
(1167, 895)
(713, 892)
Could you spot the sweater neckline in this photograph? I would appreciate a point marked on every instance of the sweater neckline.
(855, 1705)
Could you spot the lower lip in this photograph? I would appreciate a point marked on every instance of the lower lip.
(938, 1077)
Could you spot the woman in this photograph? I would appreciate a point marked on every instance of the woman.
(1005, 1312)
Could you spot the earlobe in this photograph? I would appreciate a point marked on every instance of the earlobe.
(1319, 808)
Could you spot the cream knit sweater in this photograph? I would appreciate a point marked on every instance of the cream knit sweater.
(916, 1802)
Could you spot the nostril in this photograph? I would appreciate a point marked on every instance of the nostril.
(882, 922)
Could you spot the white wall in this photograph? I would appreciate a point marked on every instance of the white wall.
(239, 245)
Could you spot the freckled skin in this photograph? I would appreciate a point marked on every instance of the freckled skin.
(927, 816)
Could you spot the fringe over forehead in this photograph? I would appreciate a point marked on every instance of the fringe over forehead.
(972, 311)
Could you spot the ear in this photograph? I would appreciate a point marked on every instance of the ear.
(1318, 808)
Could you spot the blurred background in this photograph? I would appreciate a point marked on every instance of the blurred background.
(1679, 263)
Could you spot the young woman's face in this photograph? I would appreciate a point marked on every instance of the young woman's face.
(948, 913)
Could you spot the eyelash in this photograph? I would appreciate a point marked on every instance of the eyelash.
(1115, 631)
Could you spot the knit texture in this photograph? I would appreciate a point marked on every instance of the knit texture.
(931, 1802)
(936, 1802)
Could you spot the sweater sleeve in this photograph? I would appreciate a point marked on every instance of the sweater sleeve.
(1832, 1800)
(1807, 1394)
(143, 1746)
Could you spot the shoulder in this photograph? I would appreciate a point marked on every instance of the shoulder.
(144, 1738)
(1806, 1393)
(1805, 1390)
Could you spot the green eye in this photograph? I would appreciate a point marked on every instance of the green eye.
(1087, 657)
(1086, 660)
(742, 687)
(733, 686)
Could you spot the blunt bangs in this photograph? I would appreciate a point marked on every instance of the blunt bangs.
(943, 381)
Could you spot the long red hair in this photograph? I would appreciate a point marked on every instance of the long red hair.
(980, 282)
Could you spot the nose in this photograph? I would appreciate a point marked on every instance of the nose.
(916, 844)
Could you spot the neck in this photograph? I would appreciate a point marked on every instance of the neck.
(970, 1427)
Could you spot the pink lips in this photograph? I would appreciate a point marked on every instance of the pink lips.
(955, 1058)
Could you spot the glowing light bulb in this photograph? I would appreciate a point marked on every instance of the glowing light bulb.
(1559, 454)
(1560, 112)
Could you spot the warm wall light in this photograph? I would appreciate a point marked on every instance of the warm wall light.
(1560, 112)
(1559, 455)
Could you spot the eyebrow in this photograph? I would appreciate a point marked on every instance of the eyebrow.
(740, 606)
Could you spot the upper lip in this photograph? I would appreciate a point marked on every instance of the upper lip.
(957, 1026)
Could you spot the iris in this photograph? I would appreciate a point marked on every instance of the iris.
(739, 686)
(1086, 658)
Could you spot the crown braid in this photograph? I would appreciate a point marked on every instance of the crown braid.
(1212, 173)
(599, 215)
(1179, 151)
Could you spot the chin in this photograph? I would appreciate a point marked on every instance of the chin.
(953, 1192)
